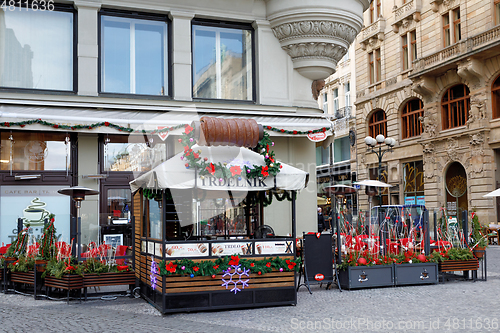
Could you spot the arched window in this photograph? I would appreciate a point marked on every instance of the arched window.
(409, 118)
(495, 98)
(455, 106)
(377, 124)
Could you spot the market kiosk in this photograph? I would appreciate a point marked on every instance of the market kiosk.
(200, 210)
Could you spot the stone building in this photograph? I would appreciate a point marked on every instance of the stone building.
(428, 75)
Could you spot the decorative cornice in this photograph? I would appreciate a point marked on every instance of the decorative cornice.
(403, 15)
(314, 28)
(326, 51)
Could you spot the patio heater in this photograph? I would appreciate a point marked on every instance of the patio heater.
(78, 193)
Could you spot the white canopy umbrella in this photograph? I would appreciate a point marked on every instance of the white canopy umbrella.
(370, 182)
(495, 193)
(173, 173)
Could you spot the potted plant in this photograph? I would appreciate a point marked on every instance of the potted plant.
(64, 274)
(22, 270)
(412, 268)
(456, 259)
(478, 238)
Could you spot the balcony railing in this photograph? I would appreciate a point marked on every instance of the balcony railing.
(459, 49)
(408, 11)
(344, 112)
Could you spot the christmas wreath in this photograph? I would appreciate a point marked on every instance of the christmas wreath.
(194, 159)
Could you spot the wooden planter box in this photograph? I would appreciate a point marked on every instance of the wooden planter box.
(356, 277)
(459, 265)
(22, 277)
(108, 279)
(67, 282)
(421, 273)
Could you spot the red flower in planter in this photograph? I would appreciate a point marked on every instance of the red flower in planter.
(268, 265)
(196, 268)
(235, 260)
(290, 264)
(252, 265)
(170, 267)
(216, 267)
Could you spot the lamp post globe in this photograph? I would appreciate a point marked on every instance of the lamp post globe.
(380, 138)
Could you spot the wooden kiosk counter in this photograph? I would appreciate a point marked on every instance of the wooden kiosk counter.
(200, 238)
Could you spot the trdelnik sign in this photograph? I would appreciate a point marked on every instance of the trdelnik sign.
(33, 204)
(235, 183)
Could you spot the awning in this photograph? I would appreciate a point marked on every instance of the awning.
(139, 119)
(173, 173)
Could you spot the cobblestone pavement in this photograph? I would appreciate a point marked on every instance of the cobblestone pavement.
(456, 306)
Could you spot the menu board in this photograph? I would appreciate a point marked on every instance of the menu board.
(274, 247)
(187, 250)
(224, 249)
(144, 246)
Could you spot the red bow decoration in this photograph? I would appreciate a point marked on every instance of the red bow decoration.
(235, 260)
(235, 170)
(264, 171)
(170, 267)
(188, 129)
(211, 169)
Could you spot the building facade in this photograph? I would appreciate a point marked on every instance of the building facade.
(428, 76)
(83, 100)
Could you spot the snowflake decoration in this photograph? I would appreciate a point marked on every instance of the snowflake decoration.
(154, 271)
(233, 272)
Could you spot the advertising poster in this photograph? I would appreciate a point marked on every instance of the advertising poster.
(33, 204)
(273, 247)
(421, 200)
(224, 249)
(409, 200)
(187, 250)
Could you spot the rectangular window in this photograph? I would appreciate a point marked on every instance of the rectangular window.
(322, 155)
(342, 149)
(405, 52)
(371, 67)
(133, 56)
(335, 100)
(222, 63)
(378, 67)
(413, 41)
(37, 49)
(456, 25)
(446, 30)
(35, 151)
(347, 91)
(497, 12)
(325, 103)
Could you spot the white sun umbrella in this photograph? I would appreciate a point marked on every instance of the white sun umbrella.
(495, 193)
(370, 182)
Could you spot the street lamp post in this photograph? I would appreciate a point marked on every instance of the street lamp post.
(372, 143)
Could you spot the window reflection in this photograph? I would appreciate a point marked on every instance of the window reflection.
(222, 63)
(34, 151)
(118, 205)
(124, 153)
(133, 56)
(36, 49)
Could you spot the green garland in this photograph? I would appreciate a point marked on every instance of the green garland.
(152, 194)
(220, 170)
(131, 130)
(266, 201)
(221, 265)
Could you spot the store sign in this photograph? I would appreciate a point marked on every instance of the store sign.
(33, 204)
(409, 200)
(451, 207)
(285, 247)
(421, 200)
(319, 277)
(233, 182)
(163, 135)
(224, 249)
(187, 250)
(317, 137)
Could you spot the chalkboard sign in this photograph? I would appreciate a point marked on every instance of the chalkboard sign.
(318, 258)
